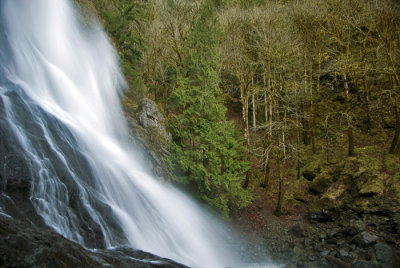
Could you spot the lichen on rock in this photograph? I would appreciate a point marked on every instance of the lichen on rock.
(149, 134)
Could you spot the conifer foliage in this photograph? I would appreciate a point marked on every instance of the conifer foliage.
(207, 153)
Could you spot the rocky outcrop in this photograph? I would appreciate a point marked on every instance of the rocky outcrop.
(22, 244)
(25, 240)
(150, 136)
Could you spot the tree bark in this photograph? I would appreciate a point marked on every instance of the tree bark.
(278, 209)
(349, 118)
(395, 142)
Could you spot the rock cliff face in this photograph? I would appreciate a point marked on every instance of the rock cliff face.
(149, 134)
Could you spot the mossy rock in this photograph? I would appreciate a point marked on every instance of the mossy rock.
(373, 187)
(359, 205)
(388, 122)
(395, 185)
(322, 208)
(321, 183)
(392, 163)
(335, 191)
(370, 162)
(350, 167)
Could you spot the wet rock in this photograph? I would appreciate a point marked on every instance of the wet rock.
(357, 226)
(384, 254)
(344, 252)
(364, 264)
(297, 230)
(365, 239)
(298, 251)
(24, 245)
(325, 253)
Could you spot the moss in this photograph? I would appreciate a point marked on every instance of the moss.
(373, 186)
(335, 191)
(392, 163)
(395, 185)
(320, 204)
(350, 167)
(360, 204)
(370, 162)
(313, 163)
(321, 183)
(298, 191)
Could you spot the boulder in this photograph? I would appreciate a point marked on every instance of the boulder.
(321, 183)
(152, 120)
(149, 134)
(24, 245)
(384, 254)
(373, 186)
(298, 230)
(365, 239)
(364, 264)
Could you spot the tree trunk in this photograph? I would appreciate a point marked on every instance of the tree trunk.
(349, 118)
(267, 166)
(278, 209)
(267, 171)
(254, 104)
(395, 142)
(366, 101)
(314, 150)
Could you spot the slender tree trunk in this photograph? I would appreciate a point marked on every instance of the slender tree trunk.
(254, 104)
(278, 209)
(349, 118)
(297, 132)
(281, 143)
(327, 138)
(366, 101)
(314, 150)
(267, 166)
(395, 142)
(304, 107)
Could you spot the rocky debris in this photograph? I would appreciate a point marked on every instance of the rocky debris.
(149, 134)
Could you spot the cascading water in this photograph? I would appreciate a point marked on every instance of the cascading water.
(59, 100)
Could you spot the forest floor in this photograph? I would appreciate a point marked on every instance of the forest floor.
(347, 216)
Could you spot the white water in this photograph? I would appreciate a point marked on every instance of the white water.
(65, 77)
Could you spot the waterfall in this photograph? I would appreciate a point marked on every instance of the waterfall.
(60, 89)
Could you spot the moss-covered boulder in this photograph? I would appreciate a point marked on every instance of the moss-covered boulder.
(373, 186)
(321, 183)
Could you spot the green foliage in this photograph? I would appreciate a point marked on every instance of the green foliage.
(207, 154)
(124, 21)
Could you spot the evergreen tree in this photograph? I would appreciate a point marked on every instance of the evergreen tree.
(206, 154)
